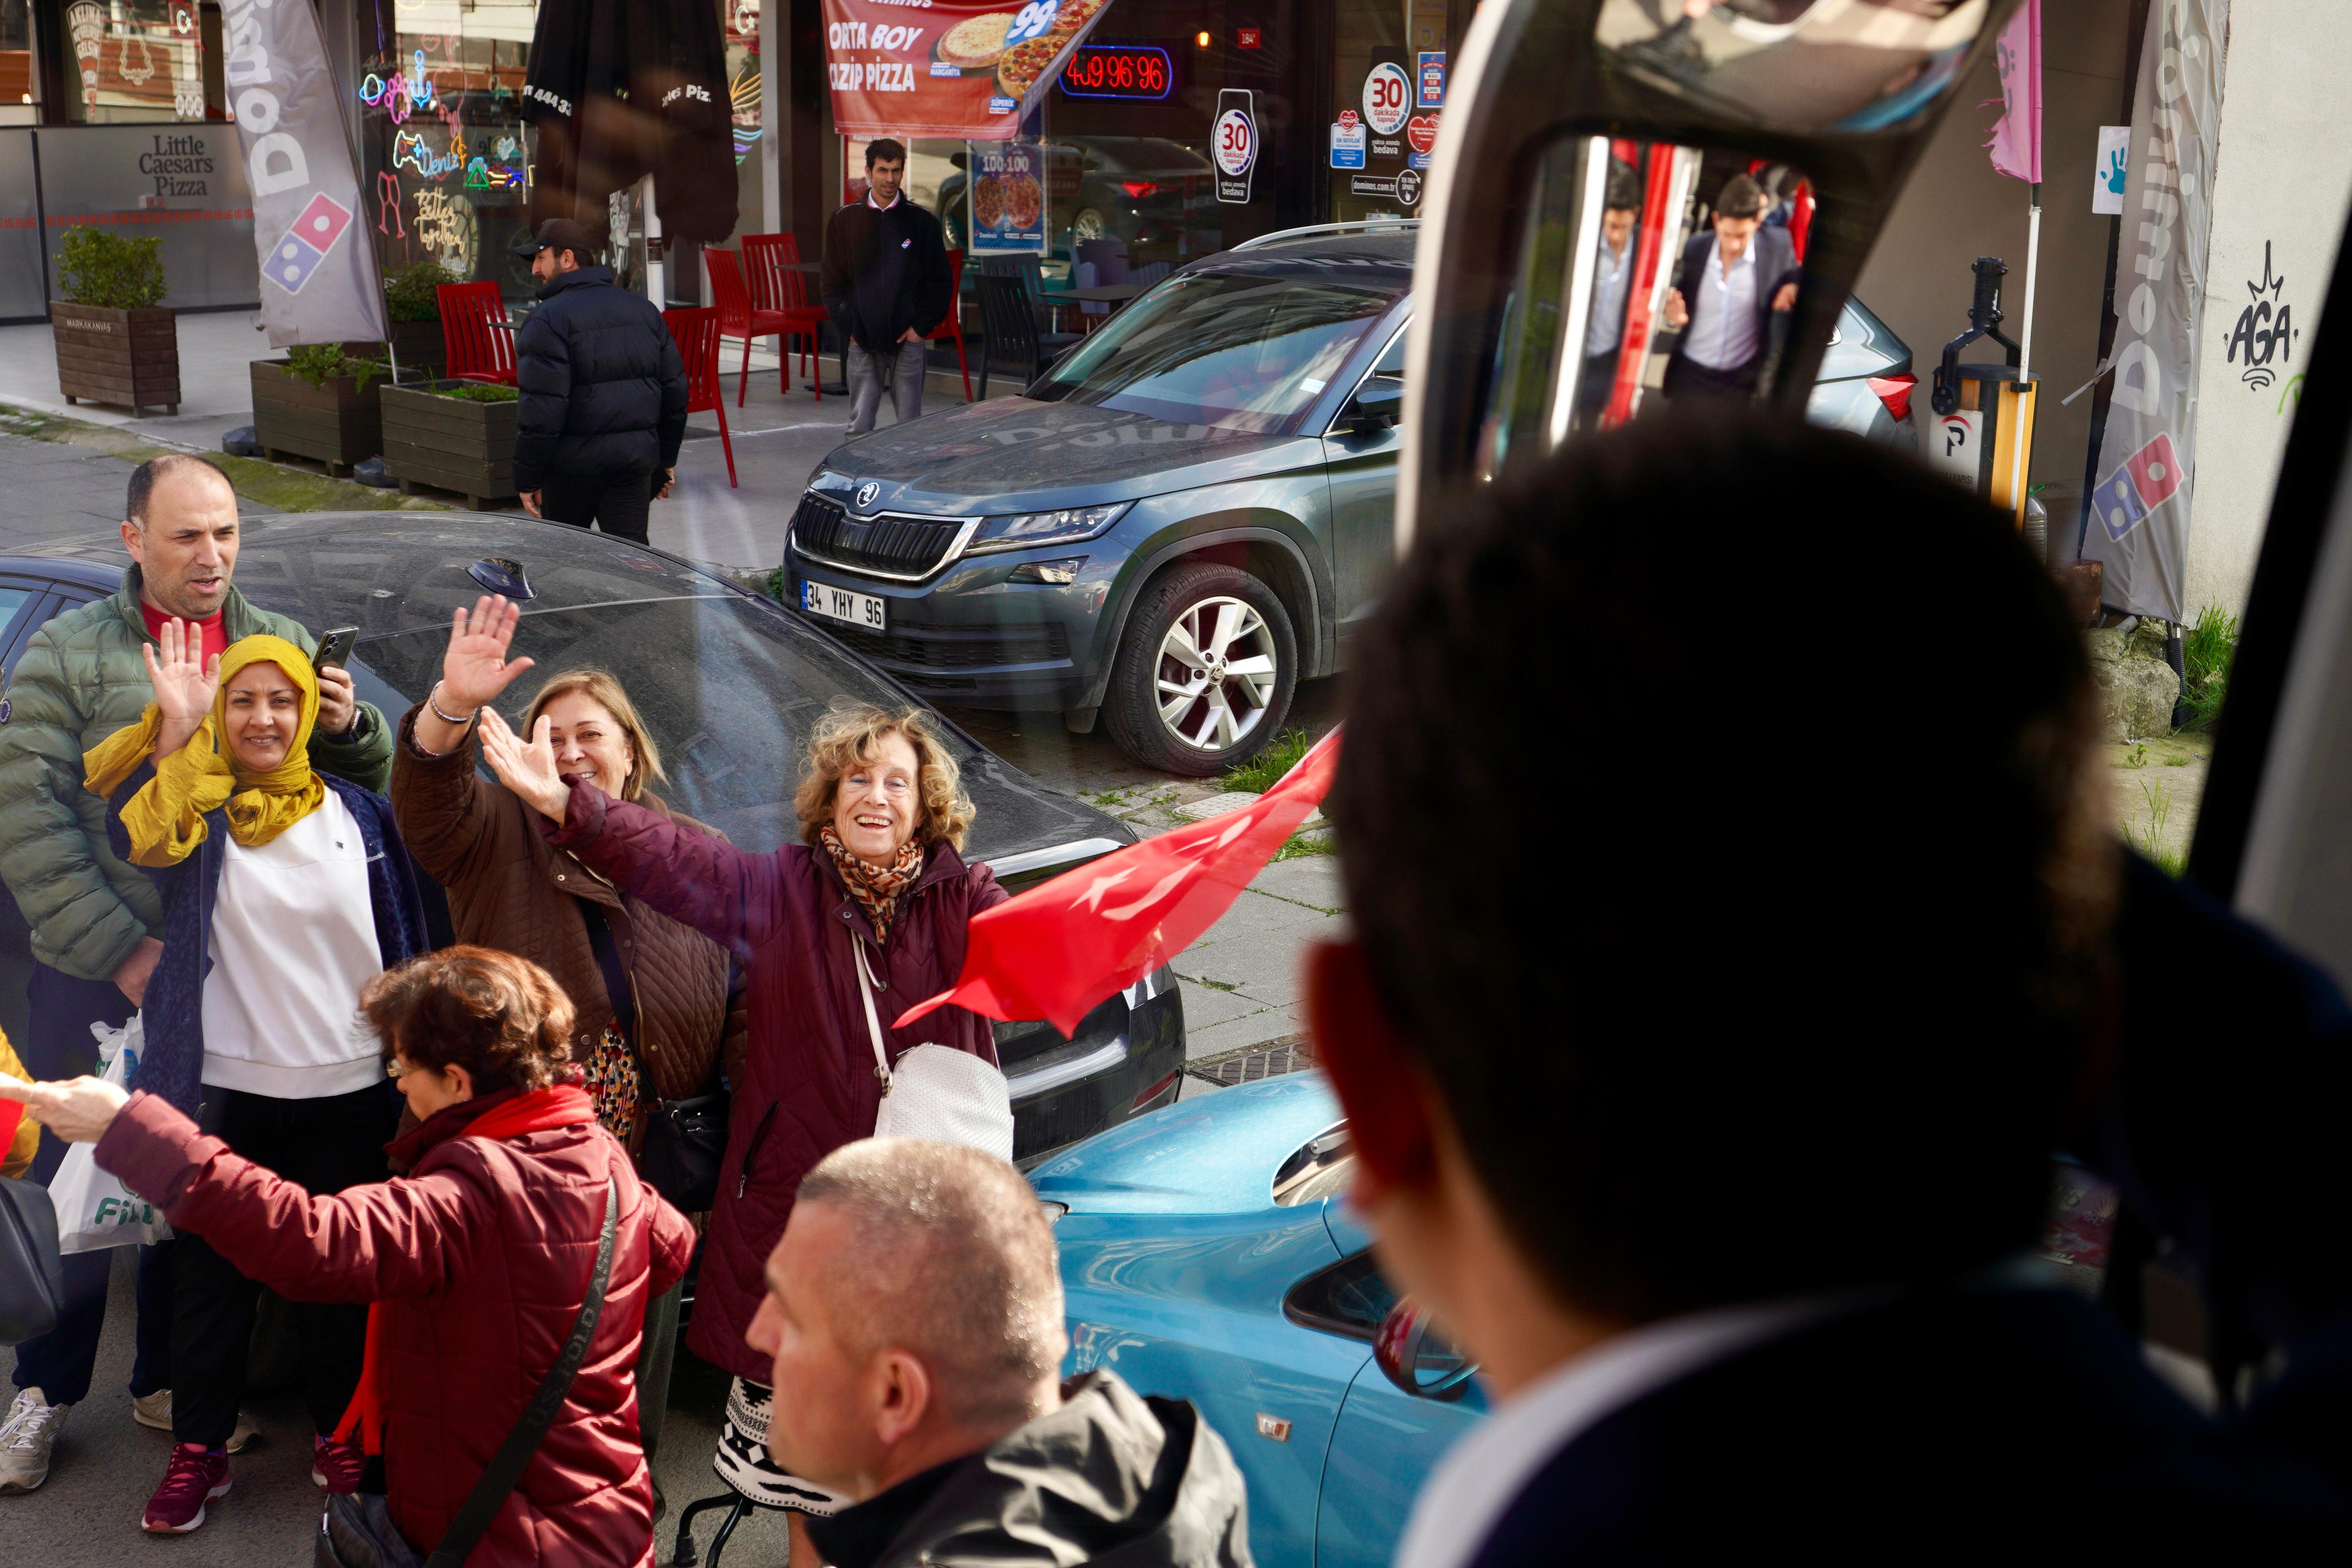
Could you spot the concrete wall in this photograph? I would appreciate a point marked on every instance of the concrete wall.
(1954, 209)
(2283, 179)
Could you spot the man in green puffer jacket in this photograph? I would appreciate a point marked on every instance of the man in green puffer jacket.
(82, 678)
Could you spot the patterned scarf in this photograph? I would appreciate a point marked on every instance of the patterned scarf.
(876, 892)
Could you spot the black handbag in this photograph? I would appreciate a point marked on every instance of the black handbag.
(683, 1139)
(685, 1142)
(32, 1275)
(357, 1530)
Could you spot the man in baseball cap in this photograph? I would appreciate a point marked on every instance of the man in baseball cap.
(603, 391)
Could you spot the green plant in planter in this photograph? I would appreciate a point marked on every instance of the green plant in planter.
(109, 271)
(408, 294)
(481, 392)
(320, 364)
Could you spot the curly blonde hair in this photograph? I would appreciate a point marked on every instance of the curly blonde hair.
(851, 733)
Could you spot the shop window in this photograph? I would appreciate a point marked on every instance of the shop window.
(19, 81)
(1386, 106)
(446, 158)
(125, 62)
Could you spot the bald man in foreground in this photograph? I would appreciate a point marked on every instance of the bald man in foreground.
(914, 1311)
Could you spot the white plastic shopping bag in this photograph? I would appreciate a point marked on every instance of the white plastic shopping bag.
(94, 1209)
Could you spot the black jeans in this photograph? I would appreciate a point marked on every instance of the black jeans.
(59, 1362)
(322, 1146)
(619, 503)
(1686, 378)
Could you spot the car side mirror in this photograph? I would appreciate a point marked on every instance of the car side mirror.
(1417, 1360)
(1378, 405)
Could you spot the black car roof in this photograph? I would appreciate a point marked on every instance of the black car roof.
(1381, 257)
(397, 575)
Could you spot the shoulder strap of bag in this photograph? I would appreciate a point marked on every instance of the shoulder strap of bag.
(506, 1467)
(873, 1022)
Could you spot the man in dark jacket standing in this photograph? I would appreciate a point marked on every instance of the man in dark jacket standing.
(604, 392)
(914, 1313)
(1731, 284)
(885, 283)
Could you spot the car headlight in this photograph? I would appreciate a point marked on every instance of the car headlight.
(1022, 530)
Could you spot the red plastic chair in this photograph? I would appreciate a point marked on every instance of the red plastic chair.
(738, 317)
(476, 334)
(778, 284)
(952, 326)
(697, 335)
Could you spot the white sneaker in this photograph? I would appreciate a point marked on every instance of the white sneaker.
(156, 1410)
(25, 1441)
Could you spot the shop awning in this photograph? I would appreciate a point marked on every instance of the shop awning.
(970, 70)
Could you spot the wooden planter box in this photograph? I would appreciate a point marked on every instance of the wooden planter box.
(449, 442)
(339, 424)
(129, 358)
(418, 344)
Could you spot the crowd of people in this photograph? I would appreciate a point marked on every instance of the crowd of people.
(1718, 1157)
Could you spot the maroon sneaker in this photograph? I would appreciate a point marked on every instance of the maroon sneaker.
(194, 1478)
(336, 1466)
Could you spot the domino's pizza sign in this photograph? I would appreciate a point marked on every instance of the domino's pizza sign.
(307, 243)
(2142, 482)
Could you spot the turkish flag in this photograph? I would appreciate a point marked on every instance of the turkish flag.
(11, 1113)
(1059, 949)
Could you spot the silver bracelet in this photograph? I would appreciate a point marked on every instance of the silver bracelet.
(449, 718)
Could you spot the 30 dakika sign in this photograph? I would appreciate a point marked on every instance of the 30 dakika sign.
(964, 68)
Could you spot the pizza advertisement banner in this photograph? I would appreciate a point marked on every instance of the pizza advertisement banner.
(965, 69)
(1008, 197)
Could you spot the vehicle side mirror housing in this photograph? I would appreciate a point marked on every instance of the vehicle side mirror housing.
(1378, 405)
(1417, 1361)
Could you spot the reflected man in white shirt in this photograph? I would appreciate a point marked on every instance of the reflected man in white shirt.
(1613, 284)
(1729, 286)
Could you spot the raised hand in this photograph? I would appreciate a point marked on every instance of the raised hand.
(526, 767)
(184, 683)
(476, 668)
(1676, 313)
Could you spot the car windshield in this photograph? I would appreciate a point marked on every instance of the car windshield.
(1233, 351)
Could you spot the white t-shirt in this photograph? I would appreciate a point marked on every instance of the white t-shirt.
(293, 940)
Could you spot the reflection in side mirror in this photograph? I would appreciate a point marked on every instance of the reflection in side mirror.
(1418, 1359)
(1378, 403)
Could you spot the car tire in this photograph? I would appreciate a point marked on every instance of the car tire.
(1169, 710)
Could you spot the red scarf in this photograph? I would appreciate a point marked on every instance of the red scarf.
(564, 1105)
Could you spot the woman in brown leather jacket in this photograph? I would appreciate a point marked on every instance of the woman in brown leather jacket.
(657, 1005)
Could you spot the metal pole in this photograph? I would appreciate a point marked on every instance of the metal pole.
(2032, 257)
(655, 289)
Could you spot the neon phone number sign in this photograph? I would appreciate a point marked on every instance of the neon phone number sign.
(1119, 70)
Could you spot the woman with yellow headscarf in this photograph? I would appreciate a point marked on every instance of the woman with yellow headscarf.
(285, 890)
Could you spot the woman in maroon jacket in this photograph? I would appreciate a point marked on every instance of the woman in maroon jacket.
(476, 1258)
(883, 814)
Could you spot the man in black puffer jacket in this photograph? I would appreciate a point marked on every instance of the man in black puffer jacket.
(604, 392)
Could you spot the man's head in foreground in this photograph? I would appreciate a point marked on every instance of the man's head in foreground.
(1725, 881)
(180, 525)
(914, 1312)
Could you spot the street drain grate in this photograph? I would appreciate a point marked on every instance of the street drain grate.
(1296, 1054)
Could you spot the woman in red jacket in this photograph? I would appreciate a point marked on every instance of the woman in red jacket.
(883, 815)
(476, 1258)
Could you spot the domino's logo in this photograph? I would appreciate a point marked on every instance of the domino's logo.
(307, 243)
(2141, 483)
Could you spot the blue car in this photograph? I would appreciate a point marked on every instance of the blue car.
(1207, 1254)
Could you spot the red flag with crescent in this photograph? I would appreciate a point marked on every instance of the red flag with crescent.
(1056, 951)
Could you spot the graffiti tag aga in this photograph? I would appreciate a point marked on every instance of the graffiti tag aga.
(2265, 331)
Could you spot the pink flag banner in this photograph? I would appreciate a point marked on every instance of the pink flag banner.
(2017, 137)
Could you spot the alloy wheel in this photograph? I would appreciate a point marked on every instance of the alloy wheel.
(1216, 673)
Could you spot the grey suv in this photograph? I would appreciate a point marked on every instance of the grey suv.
(1181, 519)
